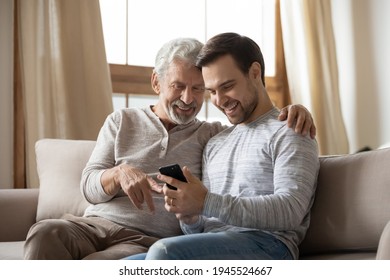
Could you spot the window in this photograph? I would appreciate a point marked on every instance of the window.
(134, 30)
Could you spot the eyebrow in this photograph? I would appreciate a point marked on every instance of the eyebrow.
(183, 83)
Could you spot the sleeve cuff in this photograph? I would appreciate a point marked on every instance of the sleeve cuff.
(99, 188)
(193, 228)
(212, 205)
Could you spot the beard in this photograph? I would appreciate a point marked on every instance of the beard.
(182, 118)
(247, 107)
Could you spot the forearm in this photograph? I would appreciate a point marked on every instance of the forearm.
(276, 212)
(102, 159)
(91, 186)
(101, 185)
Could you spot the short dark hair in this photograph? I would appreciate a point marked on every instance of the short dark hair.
(244, 51)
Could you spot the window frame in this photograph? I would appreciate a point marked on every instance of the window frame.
(135, 80)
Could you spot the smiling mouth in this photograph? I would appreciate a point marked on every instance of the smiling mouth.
(187, 110)
(184, 108)
(230, 108)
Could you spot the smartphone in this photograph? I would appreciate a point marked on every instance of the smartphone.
(173, 171)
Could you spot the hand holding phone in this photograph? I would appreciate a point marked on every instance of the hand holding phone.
(173, 171)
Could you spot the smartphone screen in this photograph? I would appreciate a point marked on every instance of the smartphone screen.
(173, 171)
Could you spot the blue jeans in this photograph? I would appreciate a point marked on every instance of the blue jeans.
(228, 245)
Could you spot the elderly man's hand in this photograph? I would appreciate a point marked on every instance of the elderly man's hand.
(134, 182)
(299, 118)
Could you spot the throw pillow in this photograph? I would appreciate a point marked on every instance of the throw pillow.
(60, 164)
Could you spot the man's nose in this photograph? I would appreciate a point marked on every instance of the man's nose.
(219, 99)
(187, 95)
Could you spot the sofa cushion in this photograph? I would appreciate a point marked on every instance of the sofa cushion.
(351, 206)
(18, 210)
(59, 165)
(11, 250)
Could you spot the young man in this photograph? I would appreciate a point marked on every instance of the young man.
(259, 176)
(133, 143)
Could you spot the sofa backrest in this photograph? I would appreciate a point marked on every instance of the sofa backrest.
(59, 165)
(352, 204)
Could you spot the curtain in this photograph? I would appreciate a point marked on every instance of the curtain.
(312, 68)
(64, 75)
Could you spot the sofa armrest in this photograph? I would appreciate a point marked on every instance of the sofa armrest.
(384, 244)
(18, 210)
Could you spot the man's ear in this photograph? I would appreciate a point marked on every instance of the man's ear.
(155, 83)
(255, 71)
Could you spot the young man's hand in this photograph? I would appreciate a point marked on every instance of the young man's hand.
(188, 199)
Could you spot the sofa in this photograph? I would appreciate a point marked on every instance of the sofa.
(349, 218)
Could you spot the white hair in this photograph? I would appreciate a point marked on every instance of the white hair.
(185, 49)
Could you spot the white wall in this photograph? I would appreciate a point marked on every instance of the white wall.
(6, 94)
(363, 43)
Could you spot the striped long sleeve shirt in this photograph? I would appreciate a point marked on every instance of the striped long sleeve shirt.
(260, 176)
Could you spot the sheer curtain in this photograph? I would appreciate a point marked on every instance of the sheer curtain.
(65, 81)
(312, 68)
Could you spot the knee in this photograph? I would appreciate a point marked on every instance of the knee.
(47, 229)
(163, 249)
(42, 237)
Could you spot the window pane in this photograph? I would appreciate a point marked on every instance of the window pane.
(154, 22)
(118, 101)
(252, 18)
(134, 30)
(151, 23)
(114, 29)
(142, 101)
